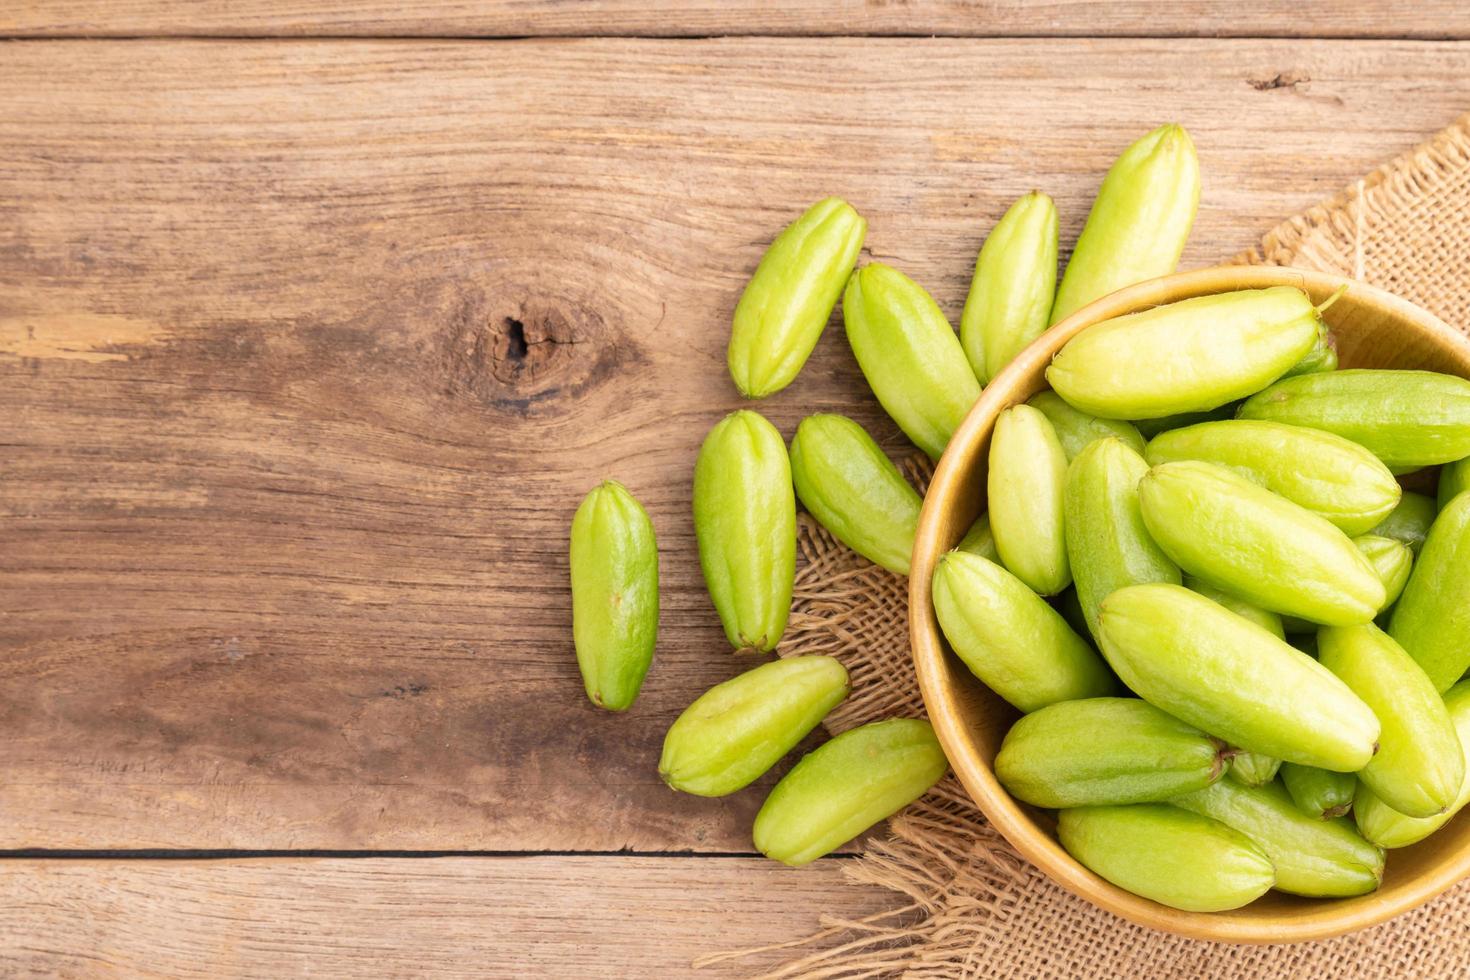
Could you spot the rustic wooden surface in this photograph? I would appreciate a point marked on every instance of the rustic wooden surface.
(308, 349)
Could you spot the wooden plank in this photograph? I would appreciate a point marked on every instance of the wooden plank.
(534, 18)
(310, 349)
(383, 917)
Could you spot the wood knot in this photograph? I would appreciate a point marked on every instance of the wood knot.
(1286, 79)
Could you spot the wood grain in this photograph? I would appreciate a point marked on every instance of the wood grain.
(441, 917)
(308, 350)
(695, 18)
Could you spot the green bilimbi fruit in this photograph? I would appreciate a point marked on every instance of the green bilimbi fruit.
(978, 540)
(1011, 638)
(1431, 620)
(1254, 769)
(1324, 473)
(1014, 285)
(1322, 356)
(1078, 430)
(1245, 540)
(614, 565)
(1454, 480)
(1208, 667)
(1102, 751)
(1408, 419)
(1419, 766)
(1139, 222)
(737, 730)
(909, 354)
(1318, 793)
(1384, 825)
(1190, 356)
(1149, 428)
(1107, 545)
(854, 490)
(788, 300)
(1024, 486)
(1173, 856)
(1312, 857)
(844, 787)
(1264, 618)
(745, 522)
(1409, 521)
(1391, 559)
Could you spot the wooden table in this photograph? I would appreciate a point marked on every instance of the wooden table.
(317, 320)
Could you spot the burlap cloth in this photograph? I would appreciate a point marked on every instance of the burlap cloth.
(967, 904)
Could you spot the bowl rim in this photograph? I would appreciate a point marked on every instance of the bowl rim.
(1326, 917)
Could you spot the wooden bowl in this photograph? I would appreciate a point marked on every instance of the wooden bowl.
(1373, 329)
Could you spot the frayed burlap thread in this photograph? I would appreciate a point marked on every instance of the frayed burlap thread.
(966, 904)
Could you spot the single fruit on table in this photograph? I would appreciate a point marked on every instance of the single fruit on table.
(1173, 856)
(1408, 419)
(854, 490)
(1247, 541)
(1419, 766)
(1208, 667)
(1409, 521)
(1024, 487)
(745, 523)
(614, 570)
(1102, 751)
(1264, 618)
(1384, 825)
(1010, 638)
(1318, 793)
(909, 354)
(978, 540)
(1391, 559)
(1431, 620)
(1014, 284)
(1107, 545)
(1329, 476)
(737, 730)
(1254, 769)
(842, 788)
(1078, 430)
(1312, 857)
(1454, 480)
(1190, 356)
(1139, 221)
(789, 299)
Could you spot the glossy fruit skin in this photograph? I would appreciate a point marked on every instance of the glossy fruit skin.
(1392, 560)
(1419, 766)
(909, 354)
(1149, 428)
(786, 304)
(1322, 356)
(1329, 476)
(1454, 480)
(1253, 769)
(1078, 430)
(745, 523)
(1108, 546)
(1190, 356)
(854, 490)
(1317, 858)
(1384, 825)
(1227, 676)
(978, 540)
(1431, 620)
(1105, 751)
(737, 730)
(1139, 221)
(842, 788)
(1318, 793)
(1161, 852)
(1024, 488)
(1408, 419)
(1264, 618)
(614, 572)
(1245, 540)
(1010, 638)
(1009, 304)
(1409, 522)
